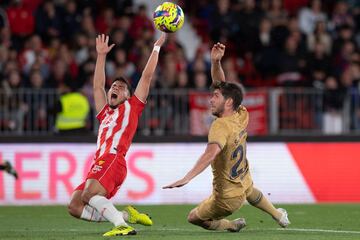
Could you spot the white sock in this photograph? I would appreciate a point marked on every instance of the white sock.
(107, 209)
(91, 214)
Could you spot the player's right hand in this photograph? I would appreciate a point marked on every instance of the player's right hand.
(102, 44)
(178, 183)
(217, 51)
(161, 40)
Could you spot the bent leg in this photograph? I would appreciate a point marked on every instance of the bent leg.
(221, 224)
(211, 213)
(257, 199)
(78, 209)
(94, 195)
(76, 205)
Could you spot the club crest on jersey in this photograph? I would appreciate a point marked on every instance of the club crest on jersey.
(96, 168)
(101, 162)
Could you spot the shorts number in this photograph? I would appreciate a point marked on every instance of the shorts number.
(238, 155)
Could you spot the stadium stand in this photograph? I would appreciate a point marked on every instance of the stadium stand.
(46, 46)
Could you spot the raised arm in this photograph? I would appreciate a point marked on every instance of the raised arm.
(142, 89)
(217, 52)
(102, 49)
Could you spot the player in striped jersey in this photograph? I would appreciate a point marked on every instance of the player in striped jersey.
(118, 114)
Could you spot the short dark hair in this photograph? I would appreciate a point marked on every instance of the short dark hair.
(230, 90)
(124, 80)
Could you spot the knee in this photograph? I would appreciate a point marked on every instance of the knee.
(74, 209)
(87, 195)
(254, 197)
(193, 218)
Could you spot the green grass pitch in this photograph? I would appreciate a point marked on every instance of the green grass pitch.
(326, 221)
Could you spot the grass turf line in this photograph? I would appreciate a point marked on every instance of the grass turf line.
(325, 221)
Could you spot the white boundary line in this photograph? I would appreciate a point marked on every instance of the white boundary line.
(267, 229)
(317, 230)
(201, 230)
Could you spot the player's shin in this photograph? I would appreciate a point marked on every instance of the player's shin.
(91, 214)
(257, 199)
(222, 224)
(107, 210)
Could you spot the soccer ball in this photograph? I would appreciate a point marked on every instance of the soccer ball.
(168, 17)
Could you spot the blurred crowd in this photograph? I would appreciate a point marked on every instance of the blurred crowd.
(291, 43)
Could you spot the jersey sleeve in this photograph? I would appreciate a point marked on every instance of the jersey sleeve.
(100, 116)
(218, 134)
(136, 104)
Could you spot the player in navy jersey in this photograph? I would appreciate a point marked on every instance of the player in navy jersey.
(118, 112)
(7, 167)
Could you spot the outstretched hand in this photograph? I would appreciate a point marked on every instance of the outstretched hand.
(217, 51)
(178, 183)
(161, 40)
(102, 44)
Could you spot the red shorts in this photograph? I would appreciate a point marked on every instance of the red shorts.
(110, 171)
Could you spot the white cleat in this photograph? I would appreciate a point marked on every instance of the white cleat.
(239, 224)
(283, 221)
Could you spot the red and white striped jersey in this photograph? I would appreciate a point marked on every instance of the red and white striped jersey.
(117, 127)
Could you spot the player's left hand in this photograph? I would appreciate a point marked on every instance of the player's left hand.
(178, 183)
(161, 40)
(217, 52)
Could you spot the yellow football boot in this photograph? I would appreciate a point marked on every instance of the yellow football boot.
(136, 217)
(120, 231)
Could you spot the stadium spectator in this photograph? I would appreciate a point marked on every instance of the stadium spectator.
(13, 108)
(265, 50)
(3, 18)
(34, 51)
(344, 34)
(121, 39)
(309, 16)
(295, 31)
(105, 21)
(318, 66)
(5, 37)
(182, 80)
(81, 51)
(4, 56)
(200, 81)
(343, 57)
(292, 6)
(333, 103)
(37, 117)
(49, 21)
(36, 80)
(277, 14)
(341, 15)
(221, 21)
(87, 26)
(290, 64)
(121, 7)
(21, 22)
(120, 61)
(140, 22)
(263, 38)
(168, 72)
(71, 19)
(60, 76)
(248, 19)
(320, 35)
(72, 112)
